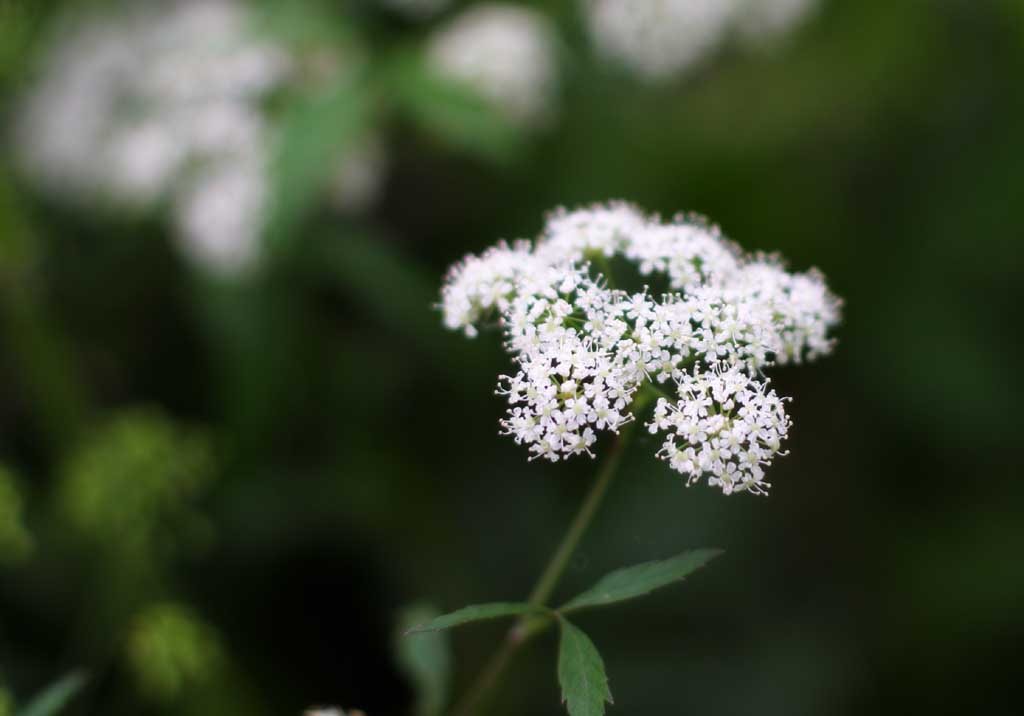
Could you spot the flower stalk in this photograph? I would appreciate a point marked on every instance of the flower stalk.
(528, 627)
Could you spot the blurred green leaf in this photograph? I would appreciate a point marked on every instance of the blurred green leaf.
(452, 111)
(17, 20)
(391, 286)
(641, 579)
(426, 661)
(6, 702)
(15, 540)
(55, 696)
(316, 133)
(308, 25)
(581, 673)
(49, 364)
(477, 612)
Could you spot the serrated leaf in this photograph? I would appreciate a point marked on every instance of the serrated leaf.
(640, 579)
(477, 612)
(56, 696)
(581, 673)
(425, 660)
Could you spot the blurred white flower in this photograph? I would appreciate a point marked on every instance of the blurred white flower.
(584, 349)
(164, 103)
(506, 54)
(765, 20)
(220, 215)
(126, 102)
(659, 39)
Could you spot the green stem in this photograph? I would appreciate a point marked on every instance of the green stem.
(527, 627)
(560, 560)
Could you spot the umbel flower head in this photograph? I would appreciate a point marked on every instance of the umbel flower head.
(171, 651)
(584, 349)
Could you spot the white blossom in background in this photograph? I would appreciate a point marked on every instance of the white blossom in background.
(505, 53)
(657, 38)
(660, 39)
(765, 20)
(163, 104)
(126, 101)
(220, 215)
(584, 349)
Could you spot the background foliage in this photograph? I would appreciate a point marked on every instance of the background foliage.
(217, 496)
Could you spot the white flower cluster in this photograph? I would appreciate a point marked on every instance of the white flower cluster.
(726, 425)
(584, 348)
(503, 52)
(658, 39)
(165, 102)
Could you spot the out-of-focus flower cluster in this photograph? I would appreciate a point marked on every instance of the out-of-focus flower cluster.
(166, 103)
(505, 53)
(183, 106)
(131, 487)
(170, 650)
(584, 348)
(657, 39)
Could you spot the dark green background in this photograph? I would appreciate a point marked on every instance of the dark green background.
(356, 462)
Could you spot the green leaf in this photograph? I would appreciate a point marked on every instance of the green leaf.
(581, 673)
(55, 696)
(316, 134)
(452, 111)
(640, 579)
(477, 612)
(426, 661)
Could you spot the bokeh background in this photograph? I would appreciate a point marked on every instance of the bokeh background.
(221, 485)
